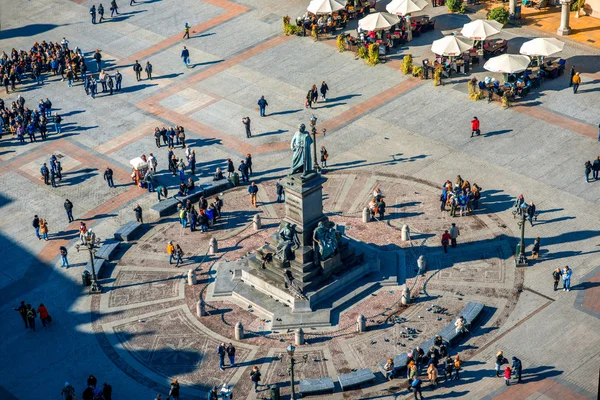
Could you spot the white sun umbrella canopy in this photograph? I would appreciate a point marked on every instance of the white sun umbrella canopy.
(403, 7)
(378, 21)
(325, 6)
(451, 46)
(507, 63)
(541, 47)
(481, 29)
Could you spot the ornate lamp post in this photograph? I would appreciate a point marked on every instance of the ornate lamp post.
(313, 124)
(290, 350)
(520, 257)
(91, 244)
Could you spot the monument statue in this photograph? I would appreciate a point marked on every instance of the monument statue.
(300, 145)
(326, 240)
(288, 242)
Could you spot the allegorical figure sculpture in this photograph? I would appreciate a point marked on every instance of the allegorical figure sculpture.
(326, 241)
(288, 242)
(300, 145)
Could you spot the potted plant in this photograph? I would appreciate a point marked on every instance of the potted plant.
(407, 65)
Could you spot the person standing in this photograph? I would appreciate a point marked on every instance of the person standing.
(255, 378)
(588, 170)
(109, 83)
(448, 368)
(246, 122)
(221, 351)
(185, 56)
(576, 82)
(22, 309)
(231, 354)
(243, 168)
(138, 213)
(45, 174)
(98, 58)
(100, 13)
(531, 212)
(63, 256)
(454, 234)
(118, 80)
(108, 177)
(31, 315)
(148, 70)
(253, 190)
(324, 157)
(324, 90)
(157, 136)
(262, 106)
(457, 367)
(137, 68)
(230, 168)
(53, 178)
(44, 229)
(475, 127)
(36, 226)
(432, 374)
(69, 209)
(517, 368)
(249, 162)
(596, 167)
(556, 275)
(178, 254)
(446, 240)
(498, 362)
(171, 251)
(114, 8)
(535, 253)
(93, 14)
(507, 375)
(82, 232)
(68, 392)
(280, 192)
(174, 390)
(186, 31)
(566, 277)
(43, 312)
(416, 388)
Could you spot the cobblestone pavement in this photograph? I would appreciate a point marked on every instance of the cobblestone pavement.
(384, 130)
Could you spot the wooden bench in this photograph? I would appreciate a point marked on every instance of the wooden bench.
(125, 233)
(356, 378)
(316, 386)
(107, 249)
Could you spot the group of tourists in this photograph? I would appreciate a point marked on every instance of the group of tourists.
(377, 205)
(91, 392)
(593, 167)
(205, 216)
(52, 175)
(29, 314)
(19, 120)
(312, 97)
(462, 197)
(509, 371)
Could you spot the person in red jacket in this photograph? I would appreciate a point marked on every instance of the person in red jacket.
(475, 127)
(507, 373)
(446, 240)
(43, 312)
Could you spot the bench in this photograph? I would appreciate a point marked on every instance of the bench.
(125, 233)
(98, 265)
(470, 313)
(316, 386)
(107, 249)
(169, 206)
(356, 378)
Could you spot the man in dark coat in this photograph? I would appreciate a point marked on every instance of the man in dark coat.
(69, 209)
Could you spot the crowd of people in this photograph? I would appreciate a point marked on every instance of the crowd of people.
(462, 197)
(19, 120)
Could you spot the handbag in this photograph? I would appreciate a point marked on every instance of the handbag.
(49, 318)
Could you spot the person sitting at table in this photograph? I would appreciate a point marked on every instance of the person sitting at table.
(321, 24)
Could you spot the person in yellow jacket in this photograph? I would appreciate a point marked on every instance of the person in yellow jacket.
(576, 82)
(171, 251)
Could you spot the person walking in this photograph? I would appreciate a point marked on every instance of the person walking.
(531, 212)
(324, 90)
(448, 368)
(566, 277)
(249, 162)
(171, 251)
(417, 389)
(243, 168)
(475, 127)
(93, 14)
(454, 234)
(596, 167)
(231, 354)
(262, 106)
(63, 256)
(22, 309)
(230, 168)
(68, 392)
(179, 255)
(499, 362)
(137, 68)
(108, 177)
(100, 13)
(507, 375)
(535, 253)
(45, 174)
(31, 315)
(82, 232)
(174, 390)
(114, 8)
(186, 31)
(576, 82)
(43, 313)
(253, 190)
(446, 240)
(246, 122)
(588, 170)
(98, 58)
(255, 378)
(138, 213)
(457, 367)
(324, 157)
(185, 56)
(556, 275)
(157, 136)
(280, 191)
(148, 70)
(222, 352)
(109, 83)
(44, 229)
(36, 225)
(69, 209)
(517, 368)
(118, 80)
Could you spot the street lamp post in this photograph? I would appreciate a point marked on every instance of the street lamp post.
(90, 243)
(521, 258)
(290, 350)
(313, 124)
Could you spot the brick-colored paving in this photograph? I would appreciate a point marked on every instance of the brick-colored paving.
(591, 297)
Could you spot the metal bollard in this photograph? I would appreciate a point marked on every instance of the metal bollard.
(299, 337)
(405, 233)
(422, 264)
(361, 323)
(256, 224)
(405, 296)
(191, 277)
(213, 246)
(366, 215)
(239, 331)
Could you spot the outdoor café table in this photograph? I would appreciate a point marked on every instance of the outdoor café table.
(494, 46)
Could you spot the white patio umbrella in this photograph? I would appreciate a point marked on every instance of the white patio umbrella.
(403, 7)
(378, 21)
(541, 47)
(325, 6)
(507, 63)
(451, 45)
(481, 29)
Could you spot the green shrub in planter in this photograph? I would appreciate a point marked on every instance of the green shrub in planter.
(454, 5)
(499, 14)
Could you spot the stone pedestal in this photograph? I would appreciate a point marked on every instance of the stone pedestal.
(565, 10)
(256, 223)
(405, 296)
(366, 215)
(299, 337)
(361, 324)
(405, 233)
(191, 277)
(213, 246)
(422, 264)
(239, 331)
(304, 203)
